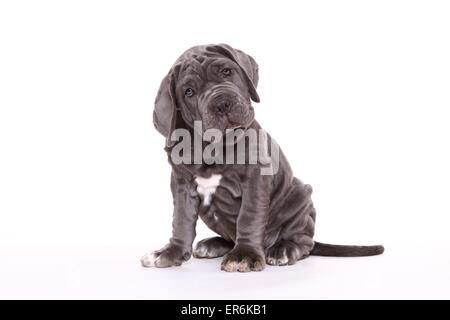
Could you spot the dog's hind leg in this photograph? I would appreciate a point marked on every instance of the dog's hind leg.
(288, 252)
(295, 239)
(212, 247)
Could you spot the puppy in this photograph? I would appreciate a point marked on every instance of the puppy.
(261, 212)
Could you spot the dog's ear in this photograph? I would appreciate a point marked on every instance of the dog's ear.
(247, 64)
(165, 112)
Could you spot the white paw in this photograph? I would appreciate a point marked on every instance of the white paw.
(278, 259)
(201, 251)
(283, 259)
(150, 259)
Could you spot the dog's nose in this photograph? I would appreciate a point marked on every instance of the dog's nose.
(223, 107)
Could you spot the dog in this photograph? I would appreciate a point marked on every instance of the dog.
(260, 218)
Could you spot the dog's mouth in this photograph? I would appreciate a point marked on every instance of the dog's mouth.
(231, 135)
(233, 126)
(241, 120)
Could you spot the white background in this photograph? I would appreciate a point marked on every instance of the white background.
(355, 92)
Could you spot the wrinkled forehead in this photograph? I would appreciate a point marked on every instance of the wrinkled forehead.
(195, 65)
(200, 65)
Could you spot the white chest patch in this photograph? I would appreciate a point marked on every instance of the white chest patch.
(207, 186)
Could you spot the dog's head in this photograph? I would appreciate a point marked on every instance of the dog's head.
(213, 84)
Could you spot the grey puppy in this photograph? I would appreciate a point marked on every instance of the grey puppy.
(260, 218)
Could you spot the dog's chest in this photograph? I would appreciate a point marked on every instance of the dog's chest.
(206, 187)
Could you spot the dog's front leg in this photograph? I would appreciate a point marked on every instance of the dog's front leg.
(185, 214)
(248, 253)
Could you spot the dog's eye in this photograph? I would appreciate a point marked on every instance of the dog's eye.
(226, 72)
(189, 92)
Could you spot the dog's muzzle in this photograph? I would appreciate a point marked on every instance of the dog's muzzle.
(223, 107)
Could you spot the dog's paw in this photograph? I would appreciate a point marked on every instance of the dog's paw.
(168, 256)
(283, 253)
(243, 259)
(212, 247)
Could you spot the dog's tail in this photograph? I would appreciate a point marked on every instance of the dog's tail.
(334, 250)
